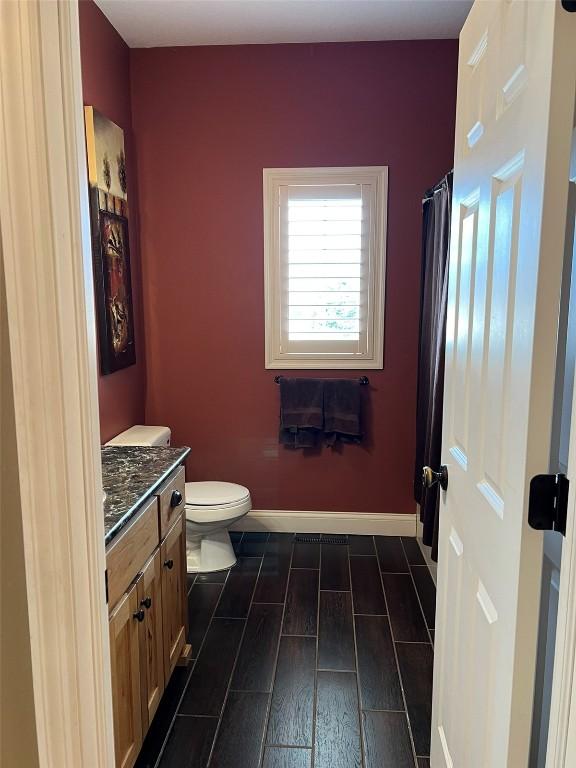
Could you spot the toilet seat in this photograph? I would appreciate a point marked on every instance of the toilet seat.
(211, 501)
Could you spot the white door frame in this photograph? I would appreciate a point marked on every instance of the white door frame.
(48, 275)
(562, 729)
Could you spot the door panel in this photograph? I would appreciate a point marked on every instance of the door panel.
(125, 668)
(173, 552)
(513, 131)
(464, 290)
(151, 638)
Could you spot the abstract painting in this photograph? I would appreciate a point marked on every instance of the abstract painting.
(110, 246)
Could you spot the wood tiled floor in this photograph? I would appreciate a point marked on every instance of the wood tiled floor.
(307, 655)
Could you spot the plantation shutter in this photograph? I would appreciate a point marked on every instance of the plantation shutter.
(326, 273)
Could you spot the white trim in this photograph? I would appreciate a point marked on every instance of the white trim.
(376, 180)
(425, 549)
(426, 554)
(562, 729)
(48, 275)
(561, 749)
(368, 523)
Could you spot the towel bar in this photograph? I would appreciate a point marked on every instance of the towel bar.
(362, 380)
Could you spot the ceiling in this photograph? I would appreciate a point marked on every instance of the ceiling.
(151, 23)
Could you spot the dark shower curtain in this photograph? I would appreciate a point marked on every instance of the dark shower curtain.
(436, 208)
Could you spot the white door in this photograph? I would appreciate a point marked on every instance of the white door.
(516, 93)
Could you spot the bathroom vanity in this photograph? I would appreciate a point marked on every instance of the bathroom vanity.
(145, 536)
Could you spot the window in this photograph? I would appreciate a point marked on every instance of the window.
(324, 252)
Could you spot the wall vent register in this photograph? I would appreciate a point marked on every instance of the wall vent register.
(324, 250)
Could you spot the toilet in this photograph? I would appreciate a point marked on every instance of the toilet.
(211, 508)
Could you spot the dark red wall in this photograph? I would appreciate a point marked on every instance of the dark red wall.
(106, 86)
(207, 121)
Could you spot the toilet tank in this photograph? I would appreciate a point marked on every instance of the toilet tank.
(143, 436)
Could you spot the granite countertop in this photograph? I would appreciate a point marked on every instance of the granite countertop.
(130, 475)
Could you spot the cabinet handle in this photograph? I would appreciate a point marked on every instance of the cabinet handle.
(169, 564)
(139, 615)
(147, 602)
(175, 499)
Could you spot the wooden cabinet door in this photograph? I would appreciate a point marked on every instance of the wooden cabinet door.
(125, 668)
(151, 638)
(173, 554)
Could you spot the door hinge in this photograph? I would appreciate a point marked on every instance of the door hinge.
(106, 583)
(548, 503)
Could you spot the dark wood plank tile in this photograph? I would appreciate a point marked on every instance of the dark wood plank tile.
(366, 586)
(306, 555)
(433, 635)
(391, 554)
(300, 617)
(334, 567)
(386, 740)
(426, 592)
(202, 600)
(190, 579)
(208, 684)
(237, 592)
(413, 552)
(377, 671)
(214, 577)
(405, 614)
(361, 545)
(253, 544)
(279, 541)
(287, 757)
(165, 713)
(336, 632)
(291, 711)
(239, 740)
(257, 658)
(235, 536)
(416, 661)
(273, 578)
(337, 742)
(423, 762)
(189, 743)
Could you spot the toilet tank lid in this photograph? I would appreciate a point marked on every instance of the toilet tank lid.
(142, 435)
(215, 493)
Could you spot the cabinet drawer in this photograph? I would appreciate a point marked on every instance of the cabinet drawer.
(172, 498)
(130, 551)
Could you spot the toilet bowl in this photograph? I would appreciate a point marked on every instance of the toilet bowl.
(211, 507)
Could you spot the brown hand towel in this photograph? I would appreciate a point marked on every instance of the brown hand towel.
(342, 411)
(301, 411)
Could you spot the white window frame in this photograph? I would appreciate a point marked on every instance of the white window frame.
(273, 179)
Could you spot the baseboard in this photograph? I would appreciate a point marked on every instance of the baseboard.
(378, 524)
(426, 550)
(426, 553)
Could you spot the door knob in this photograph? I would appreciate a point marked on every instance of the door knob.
(430, 478)
(176, 499)
(139, 615)
(147, 602)
(169, 564)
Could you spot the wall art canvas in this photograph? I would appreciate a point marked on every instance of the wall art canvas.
(110, 245)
